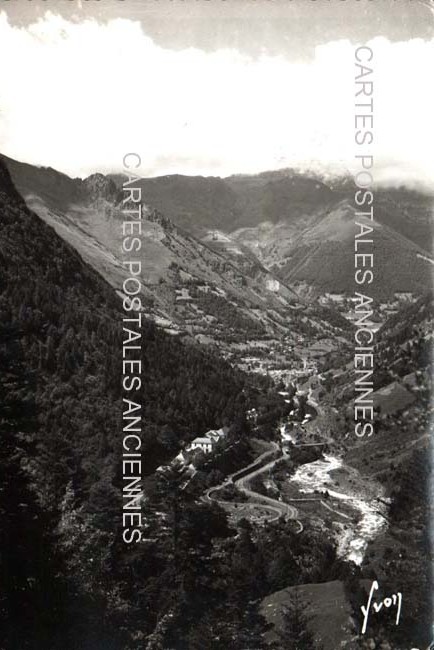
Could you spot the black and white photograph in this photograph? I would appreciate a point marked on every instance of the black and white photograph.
(216, 324)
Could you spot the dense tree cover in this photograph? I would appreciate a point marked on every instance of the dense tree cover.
(28, 584)
(401, 559)
(229, 315)
(404, 342)
(220, 577)
(402, 564)
(71, 334)
(333, 317)
(67, 578)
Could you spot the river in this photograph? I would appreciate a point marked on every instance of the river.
(353, 539)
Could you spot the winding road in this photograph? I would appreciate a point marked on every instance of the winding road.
(272, 509)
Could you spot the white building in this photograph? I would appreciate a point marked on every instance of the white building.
(207, 442)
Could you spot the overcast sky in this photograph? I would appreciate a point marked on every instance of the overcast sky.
(215, 87)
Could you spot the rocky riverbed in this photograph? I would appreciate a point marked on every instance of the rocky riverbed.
(359, 495)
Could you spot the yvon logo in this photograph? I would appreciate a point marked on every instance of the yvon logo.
(393, 601)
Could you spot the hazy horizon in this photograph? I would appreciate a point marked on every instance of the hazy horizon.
(238, 89)
(311, 172)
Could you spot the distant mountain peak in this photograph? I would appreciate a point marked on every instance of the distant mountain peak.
(100, 186)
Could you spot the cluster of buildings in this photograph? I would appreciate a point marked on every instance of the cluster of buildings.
(207, 442)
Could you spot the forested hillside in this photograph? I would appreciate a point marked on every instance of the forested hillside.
(399, 454)
(65, 572)
(182, 277)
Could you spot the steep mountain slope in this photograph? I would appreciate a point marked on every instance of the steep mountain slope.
(193, 202)
(320, 254)
(310, 242)
(408, 212)
(379, 472)
(199, 203)
(61, 355)
(61, 456)
(400, 450)
(70, 324)
(60, 349)
(287, 197)
(296, 221)
(282, 195)
(210, 291)
(261, 238)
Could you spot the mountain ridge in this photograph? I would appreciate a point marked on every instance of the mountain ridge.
(293, 227)
(190, 285)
